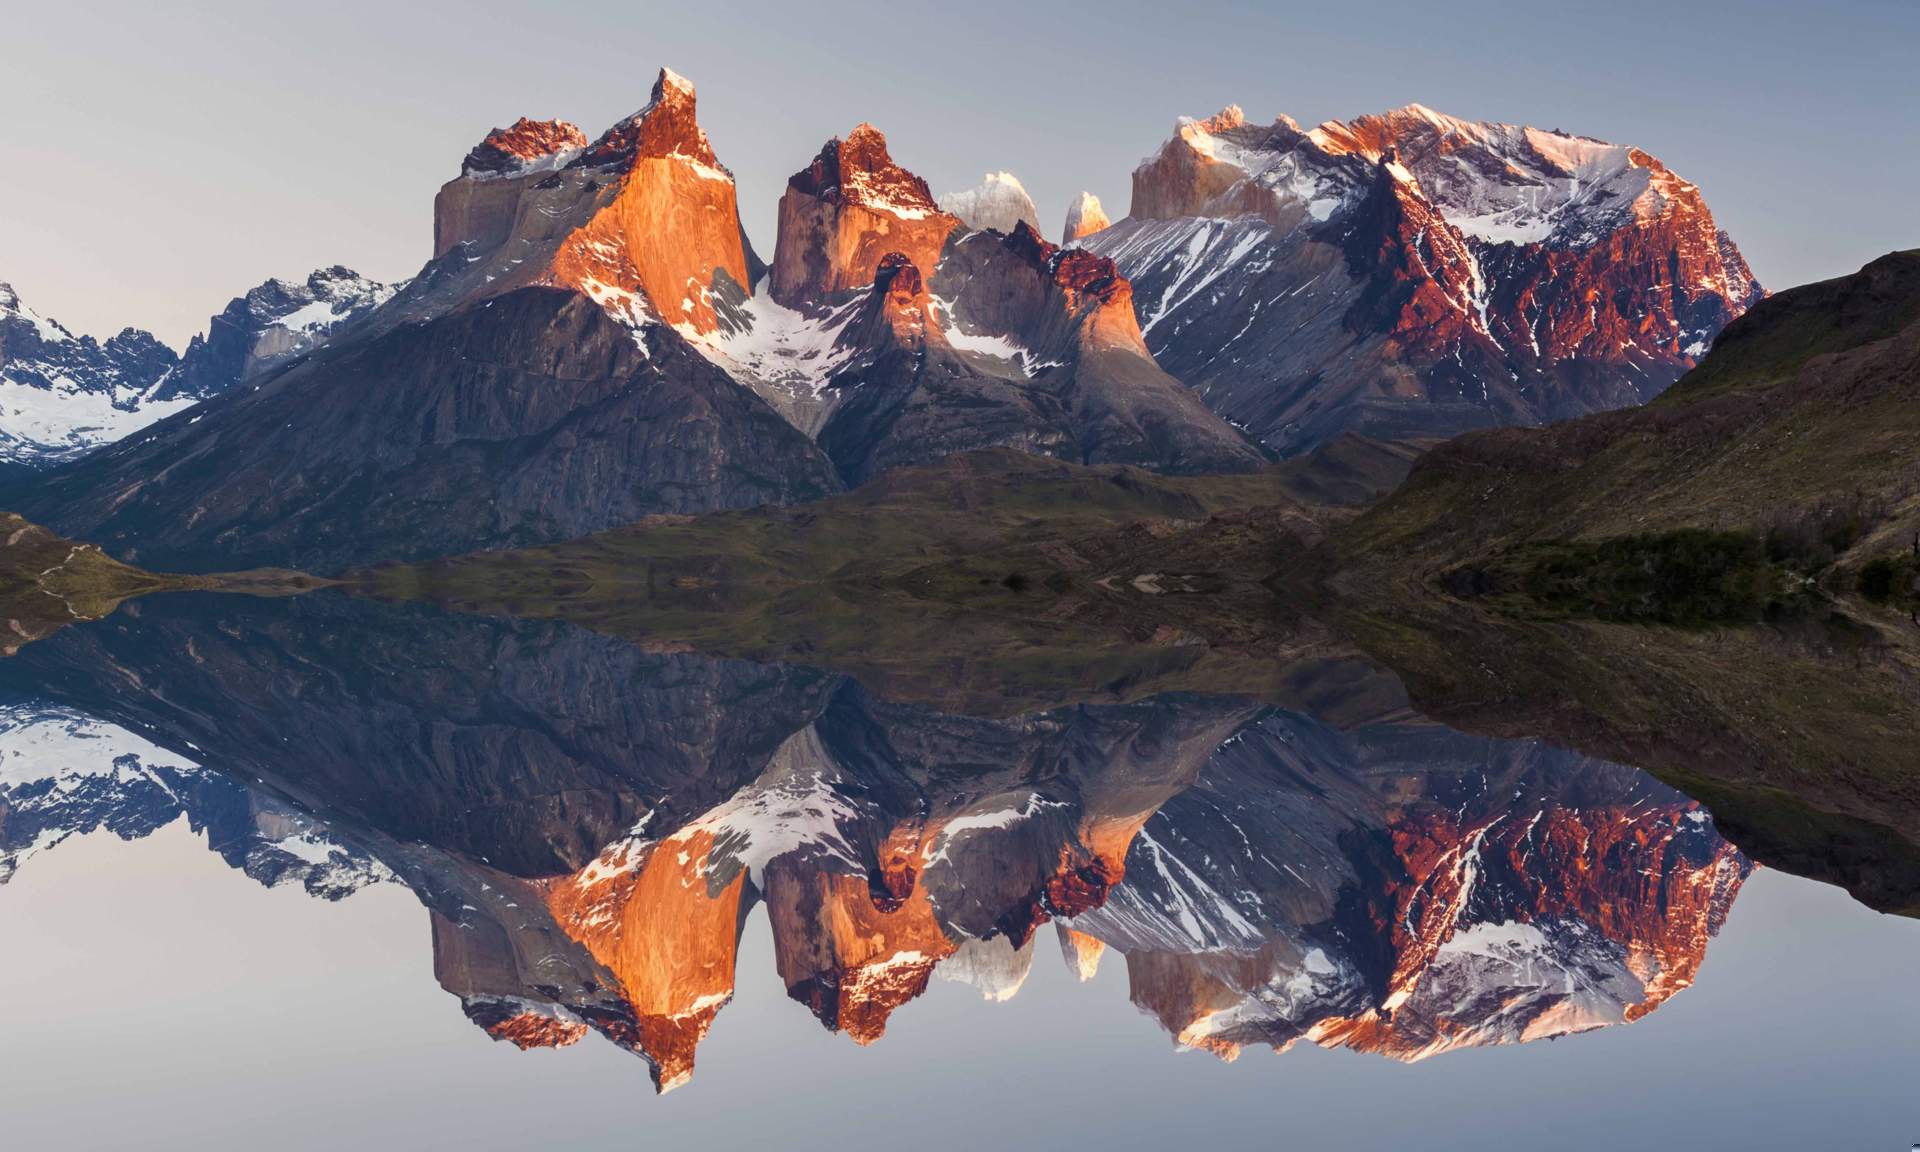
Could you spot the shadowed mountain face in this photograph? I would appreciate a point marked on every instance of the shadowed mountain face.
(589, 824)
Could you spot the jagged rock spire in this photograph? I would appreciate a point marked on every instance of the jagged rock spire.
(845, 211)
(1084, 218)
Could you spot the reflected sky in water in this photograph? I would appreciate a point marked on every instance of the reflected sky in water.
(387, 874)
(216, 1013)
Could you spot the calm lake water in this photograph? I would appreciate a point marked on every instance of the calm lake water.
(322, 874)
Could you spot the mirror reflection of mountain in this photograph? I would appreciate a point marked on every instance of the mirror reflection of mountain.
(589, 823)
(1718, 587)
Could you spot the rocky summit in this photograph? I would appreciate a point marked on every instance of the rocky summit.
(1412, 274)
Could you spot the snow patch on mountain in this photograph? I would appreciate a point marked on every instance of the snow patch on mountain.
(64, 773)
(63, 395)
(49, 425)
(792, 806)
(998, 347)
(778, 346)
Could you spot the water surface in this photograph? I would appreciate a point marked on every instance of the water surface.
(322, 872)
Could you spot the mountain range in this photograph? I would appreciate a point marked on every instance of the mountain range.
(595, 340)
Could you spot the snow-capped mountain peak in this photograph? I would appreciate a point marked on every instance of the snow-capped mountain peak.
(12, 308)
(1519, 274)
(1084, 217)
(999, 203)
(272, 324)
(62, 395)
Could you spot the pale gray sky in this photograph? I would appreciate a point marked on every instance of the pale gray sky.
(176, 1004)
(155, 163)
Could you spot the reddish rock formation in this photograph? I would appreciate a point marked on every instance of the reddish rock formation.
(850, 960)
(643, 220)
(898, 313)
(525, 144)
(1422, 283)
(844, 212)
(668, 935)
(1057, 302)
(530, 1027)
(673, 228)
(1491, 273)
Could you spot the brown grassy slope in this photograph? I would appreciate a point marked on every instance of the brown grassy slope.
(48, 582)
(1811, 397)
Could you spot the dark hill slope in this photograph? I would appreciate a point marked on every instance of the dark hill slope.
(529, 419)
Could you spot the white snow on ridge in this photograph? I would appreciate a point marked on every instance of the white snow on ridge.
(778, 347)
(48, 331)
(42, 742)
(1497, 183)
(41, 424)
(1506, 183)
(936, 849)
(792, 805)
(982, 343)
(317, 316)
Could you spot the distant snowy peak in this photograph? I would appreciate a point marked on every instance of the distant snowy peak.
(1084, 218)
(1224, 167)
(1495, 183)
(1497, 274)
(62, 395)
(998, 203)
(64, 773)
(270, 325)
(12, 310)
(1508, 183)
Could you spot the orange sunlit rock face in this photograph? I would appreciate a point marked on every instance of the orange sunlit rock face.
(842, 955)
(844, 213)
(666, 933)
(644, 219)
(672, 228)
